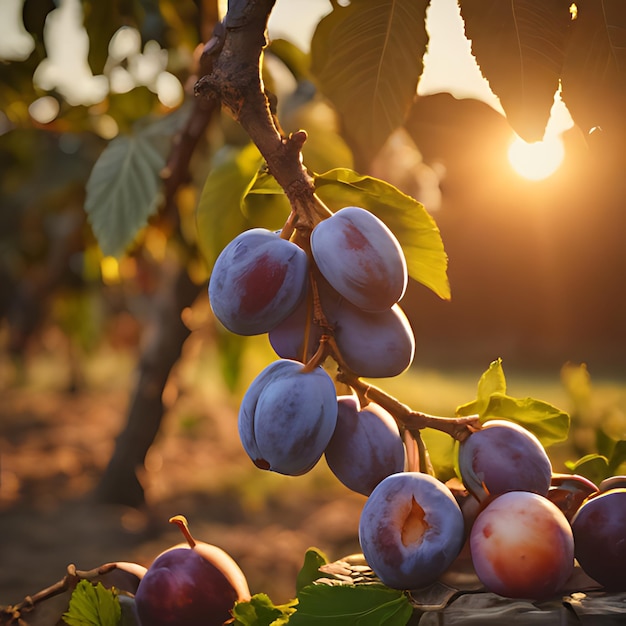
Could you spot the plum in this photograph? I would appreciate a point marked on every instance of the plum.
(194, 583)
(361, 258)
(599, 528)
(365, 447)
(372, 344)
(522, 546)
(410, 530)
(287, 338)
(503, 456)
(257, 281)
(287, 417)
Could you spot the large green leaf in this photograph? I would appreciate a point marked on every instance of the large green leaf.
(124, 184)
(520, 48)
(407, 218)
(548, 423)
(594, 73)
(367, 59)
(343, 605)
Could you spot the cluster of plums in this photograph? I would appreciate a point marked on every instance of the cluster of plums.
(349, 287)
(524, 525)
(262, 283)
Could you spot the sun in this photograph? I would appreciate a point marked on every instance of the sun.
(536, 161)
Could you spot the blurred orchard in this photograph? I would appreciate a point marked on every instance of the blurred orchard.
(119, 188)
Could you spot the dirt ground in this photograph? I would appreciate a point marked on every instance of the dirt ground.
(55, 444)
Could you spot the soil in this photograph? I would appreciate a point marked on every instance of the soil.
(55, 444)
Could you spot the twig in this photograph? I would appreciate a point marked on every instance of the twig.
(12, 614)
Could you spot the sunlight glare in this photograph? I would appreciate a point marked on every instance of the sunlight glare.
(536, 161)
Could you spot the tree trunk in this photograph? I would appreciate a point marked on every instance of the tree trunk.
(166, 335)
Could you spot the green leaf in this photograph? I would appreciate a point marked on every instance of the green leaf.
(261, 611)
(231, 349)
(124, 184)
(595, 467)
(342, 605)
(492, 381)
(441, 451)
(265, 201)
(367, 60)
(520, 48)
(122, 191)
(618, 456)
(549, 424)
(407, 218)
(310, 570)
(219, 215)
(93, 605)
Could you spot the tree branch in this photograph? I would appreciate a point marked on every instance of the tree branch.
(235, 80)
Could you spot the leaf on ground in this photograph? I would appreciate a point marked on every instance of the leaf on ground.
(362, 605)
(407, 218)
(261, 611)
(93, 605)
(310, 570)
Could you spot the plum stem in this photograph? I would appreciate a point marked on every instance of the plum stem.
(181, 522)
(459, 428)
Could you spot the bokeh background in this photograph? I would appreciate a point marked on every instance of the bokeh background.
(536, 265)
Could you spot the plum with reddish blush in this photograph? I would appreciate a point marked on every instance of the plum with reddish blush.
(257, 281)
(503, 456)
(599, 528)
(522, 546)
(361, 258)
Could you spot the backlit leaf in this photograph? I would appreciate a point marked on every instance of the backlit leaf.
(618, 456)
(219, 215)
(343, 605)
(492, 381)
(548, 423)
(594, 73)
(520, 48)
(93, 605)
(407, 218)
(595, 467)
(367, 59)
